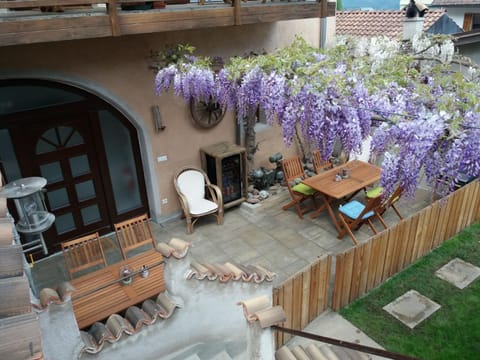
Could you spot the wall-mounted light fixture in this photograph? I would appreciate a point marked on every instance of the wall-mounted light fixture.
(157, 119)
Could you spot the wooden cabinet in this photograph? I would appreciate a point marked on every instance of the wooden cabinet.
(225, 165)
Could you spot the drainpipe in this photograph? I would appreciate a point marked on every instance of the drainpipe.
(323, 23)
(323, 32)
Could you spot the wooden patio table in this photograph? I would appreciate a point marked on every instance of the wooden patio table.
(101, 293)
(361, 175)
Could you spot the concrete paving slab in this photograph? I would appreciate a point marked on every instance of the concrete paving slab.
(411, 308)
(459, 273)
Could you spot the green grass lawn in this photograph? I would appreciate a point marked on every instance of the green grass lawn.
(453, 331)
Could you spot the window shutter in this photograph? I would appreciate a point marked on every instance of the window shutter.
(467, 22)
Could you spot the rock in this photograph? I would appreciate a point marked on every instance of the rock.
(274, 189)
(264, 194)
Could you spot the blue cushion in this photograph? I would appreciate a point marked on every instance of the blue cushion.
(353, 210)
(304, 189)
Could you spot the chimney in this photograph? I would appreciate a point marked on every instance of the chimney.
(413, 22)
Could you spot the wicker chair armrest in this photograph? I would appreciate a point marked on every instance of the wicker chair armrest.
(215, 193)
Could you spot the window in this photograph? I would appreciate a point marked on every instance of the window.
(476, 21)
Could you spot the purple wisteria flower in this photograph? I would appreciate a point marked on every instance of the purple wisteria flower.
(249, 92)
(225, 89)
(272, 97)
(164, 78)
(408, 142)
(428, 122)
(197, 83)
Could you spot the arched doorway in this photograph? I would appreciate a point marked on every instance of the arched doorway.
(88, 152)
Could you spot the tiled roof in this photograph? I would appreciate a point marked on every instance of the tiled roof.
(378, 22)
(455, 2)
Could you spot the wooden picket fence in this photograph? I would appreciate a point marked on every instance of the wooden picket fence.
(357, 271)
(303, 297)
(364, 267)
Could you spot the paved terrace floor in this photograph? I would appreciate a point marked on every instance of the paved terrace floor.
(262, 234)
(266, 235)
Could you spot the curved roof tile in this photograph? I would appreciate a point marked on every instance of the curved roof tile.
(379, 22)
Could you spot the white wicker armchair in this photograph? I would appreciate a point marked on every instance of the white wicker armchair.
(198, 196)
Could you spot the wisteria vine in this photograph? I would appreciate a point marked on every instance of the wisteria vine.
(425, 112)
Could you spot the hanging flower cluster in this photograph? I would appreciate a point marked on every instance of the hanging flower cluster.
(430, 113)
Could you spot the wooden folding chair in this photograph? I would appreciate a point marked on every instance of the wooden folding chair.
(134, 233)
(294, 173)
(320, 165)
(390, 203)
(83, 253)
(354, 214)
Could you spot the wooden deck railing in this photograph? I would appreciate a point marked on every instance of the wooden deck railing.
(367, 265)
(31, 21)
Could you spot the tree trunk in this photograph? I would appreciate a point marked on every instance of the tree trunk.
(250, 141)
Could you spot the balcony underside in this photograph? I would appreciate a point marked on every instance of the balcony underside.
(34, 26)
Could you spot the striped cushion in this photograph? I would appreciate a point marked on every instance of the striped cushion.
(353, 209)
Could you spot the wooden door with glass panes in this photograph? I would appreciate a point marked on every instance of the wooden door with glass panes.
(61, 148)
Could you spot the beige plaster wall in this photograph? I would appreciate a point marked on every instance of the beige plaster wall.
(117, 68)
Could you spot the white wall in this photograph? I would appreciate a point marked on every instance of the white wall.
(457, 13)
(472, 51)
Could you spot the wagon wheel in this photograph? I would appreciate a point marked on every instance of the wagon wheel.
(206, 114)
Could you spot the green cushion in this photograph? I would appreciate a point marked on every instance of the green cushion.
(373, 193)
(304, 189)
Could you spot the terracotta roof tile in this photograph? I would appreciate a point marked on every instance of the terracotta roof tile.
(378, 22)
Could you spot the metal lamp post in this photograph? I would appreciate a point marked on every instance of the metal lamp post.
(34, 219)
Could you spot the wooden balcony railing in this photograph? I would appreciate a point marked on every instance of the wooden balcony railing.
(34, 21)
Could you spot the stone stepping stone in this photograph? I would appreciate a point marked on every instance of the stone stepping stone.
(459, 273)
(411, 308)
